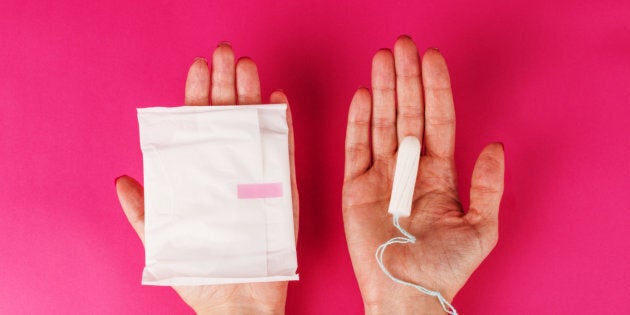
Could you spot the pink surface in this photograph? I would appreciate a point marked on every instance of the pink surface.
(548, 78)
(266, 190)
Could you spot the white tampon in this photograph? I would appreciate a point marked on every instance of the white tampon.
(405, 177)
(400, 206)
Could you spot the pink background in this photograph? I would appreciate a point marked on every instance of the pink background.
(548, 78)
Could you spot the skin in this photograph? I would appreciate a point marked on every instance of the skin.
(227, 83)
(413, 97)
(409, 97)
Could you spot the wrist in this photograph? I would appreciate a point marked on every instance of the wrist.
(236, 299)
(417, 304)
(245, 309)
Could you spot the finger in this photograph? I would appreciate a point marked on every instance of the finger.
(278, 97)
(131, 197)
(439, 116)
(487, 184)
(384, 105)
(247, 82)
(197, 83)
(408, 89)
(223, 76)
(358, 155)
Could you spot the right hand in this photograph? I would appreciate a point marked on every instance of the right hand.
(450, 243)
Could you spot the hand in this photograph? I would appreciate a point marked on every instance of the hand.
(450, 243)
(230, 84)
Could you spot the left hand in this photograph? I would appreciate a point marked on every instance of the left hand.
(231, 84)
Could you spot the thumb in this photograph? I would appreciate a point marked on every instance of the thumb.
(486, 189)
(131, 197)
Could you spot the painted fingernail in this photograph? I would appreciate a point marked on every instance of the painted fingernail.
(435, 48)
(406, 35)
(117, 178)
(224, 43)
(201, 59)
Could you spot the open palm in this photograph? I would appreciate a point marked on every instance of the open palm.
(410, 97)
(228, 84)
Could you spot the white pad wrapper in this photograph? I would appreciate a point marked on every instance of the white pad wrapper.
(405, 177)
(218, 206)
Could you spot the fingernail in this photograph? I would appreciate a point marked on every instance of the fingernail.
(406, 35)
(201, 59)
(435, 48)
(502, 146)
(117, 178)
(224, 43)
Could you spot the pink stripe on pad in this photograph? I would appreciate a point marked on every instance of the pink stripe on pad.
(263, 190)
